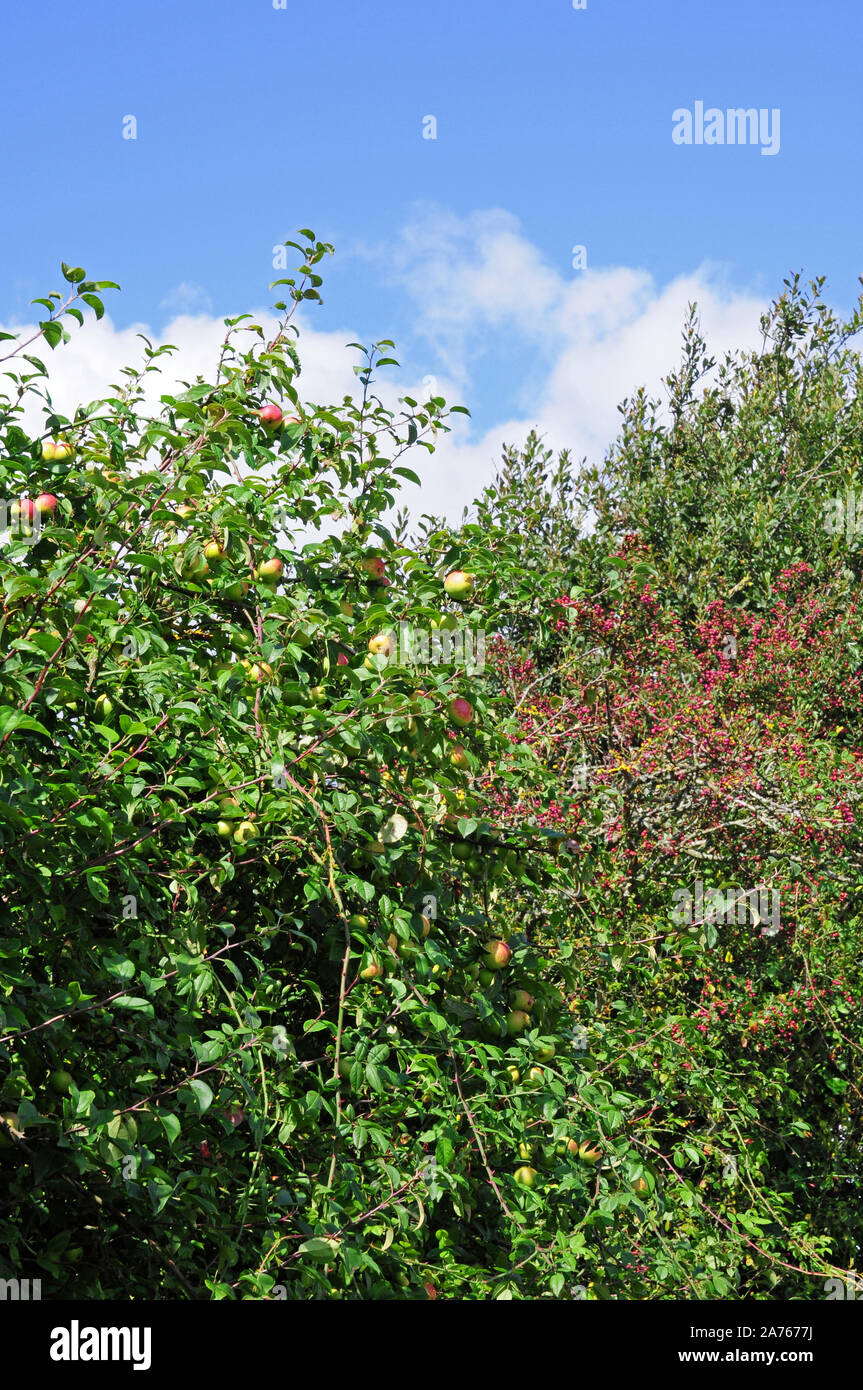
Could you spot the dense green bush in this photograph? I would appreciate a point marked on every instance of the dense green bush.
(310, 990)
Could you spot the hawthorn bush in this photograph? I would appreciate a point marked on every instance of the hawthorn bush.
(315, 985)
(689, 680)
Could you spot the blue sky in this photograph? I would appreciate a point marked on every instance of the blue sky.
(553, 129)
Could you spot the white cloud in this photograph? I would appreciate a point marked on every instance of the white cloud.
(474, 282)
(187, 298)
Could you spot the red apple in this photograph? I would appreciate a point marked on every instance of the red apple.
(270, 415)
(458, 757)
(374, 567)
(460, 712)
(46, 502)
(23, 510)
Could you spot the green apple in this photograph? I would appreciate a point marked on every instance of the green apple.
(245, 832)
(516, 1022)
(195, 568)
(526, 1177)
(589, 1153)
(258, 671)
(104, 707)
(224, 829)
(11, 1119)
(535, 1077)
(215, 552)
(544, 1051)
(61, 1081)
(270, 571)
(522, 1000)
(382, 644)
(460, 585)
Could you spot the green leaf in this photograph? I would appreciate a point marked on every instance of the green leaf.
(202, 1093)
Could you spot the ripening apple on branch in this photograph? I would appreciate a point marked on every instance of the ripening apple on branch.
(516, 1022)
(57, 450)
(23, 511)
(372, 970)
(270, 571)
(526, 1176)
(460, 712)
(497, 954)
(521, 999)
(374, 567)
(458, 757)
(382, 644)
(460, 585)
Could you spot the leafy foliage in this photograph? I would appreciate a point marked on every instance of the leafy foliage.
(311, 991)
